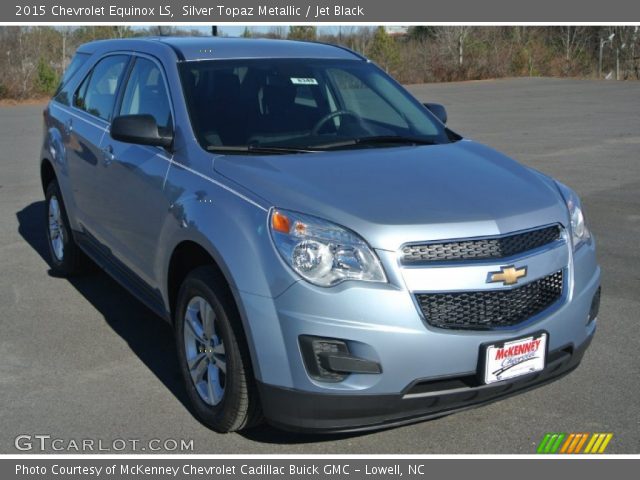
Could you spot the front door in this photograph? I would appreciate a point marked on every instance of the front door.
(136, 174)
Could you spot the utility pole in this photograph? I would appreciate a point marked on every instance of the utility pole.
(600, 58)
(618, 48)
(64, 50)
(603, 42)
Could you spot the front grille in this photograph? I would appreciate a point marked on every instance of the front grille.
(490, 309)
(480, 249)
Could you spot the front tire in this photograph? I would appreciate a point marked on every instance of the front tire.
(66, 257)
(213, 355)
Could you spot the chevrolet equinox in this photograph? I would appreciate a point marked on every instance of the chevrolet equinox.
(331, 255)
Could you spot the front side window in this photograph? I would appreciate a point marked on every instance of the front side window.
(301, 104)
(146, 93)
(97, 93)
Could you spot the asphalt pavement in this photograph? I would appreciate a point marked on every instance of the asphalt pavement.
(82, 359)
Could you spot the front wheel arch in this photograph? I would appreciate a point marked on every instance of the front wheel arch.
(247, 412)
(186, 257)
(189, 255)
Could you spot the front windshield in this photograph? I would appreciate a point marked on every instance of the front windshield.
(303, 104)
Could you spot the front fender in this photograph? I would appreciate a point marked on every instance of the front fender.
(235, 233)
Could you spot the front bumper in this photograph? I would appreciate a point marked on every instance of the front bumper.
(329, 413)
(425, 371)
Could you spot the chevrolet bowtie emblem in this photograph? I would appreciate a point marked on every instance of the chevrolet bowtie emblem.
(507, 275)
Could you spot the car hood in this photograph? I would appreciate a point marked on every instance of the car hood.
(392, 196)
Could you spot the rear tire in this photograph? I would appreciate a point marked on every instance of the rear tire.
(213, 354)
(66, 257)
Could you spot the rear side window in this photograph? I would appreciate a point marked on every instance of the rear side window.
(97, 93)
(146, 93)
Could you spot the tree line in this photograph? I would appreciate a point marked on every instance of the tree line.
(33, 58)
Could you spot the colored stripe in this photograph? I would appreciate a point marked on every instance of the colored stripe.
(596, 445)
(594, 437)
(547, 449)
(567, 442)
(575, 442)
(556, 445)
(543, 443)
(606, 441)
(582, 441)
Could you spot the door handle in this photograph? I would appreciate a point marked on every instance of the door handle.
(107, 155)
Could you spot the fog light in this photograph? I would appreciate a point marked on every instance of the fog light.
(312, 348)
(329, 360)
(595, 306)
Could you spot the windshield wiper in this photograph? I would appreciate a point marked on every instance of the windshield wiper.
(361, 141)
(256, 149)
(376, 140)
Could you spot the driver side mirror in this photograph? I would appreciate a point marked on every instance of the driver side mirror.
(141, 130)
(438, 110)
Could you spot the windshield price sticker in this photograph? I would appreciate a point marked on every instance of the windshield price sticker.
(304, 81)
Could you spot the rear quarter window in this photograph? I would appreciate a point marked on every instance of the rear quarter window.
(62, 94)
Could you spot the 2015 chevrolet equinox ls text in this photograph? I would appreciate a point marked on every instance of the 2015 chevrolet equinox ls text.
(331, 255)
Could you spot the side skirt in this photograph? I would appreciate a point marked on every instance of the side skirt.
(122, 274)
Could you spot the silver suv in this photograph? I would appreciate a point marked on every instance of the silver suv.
(331, 255)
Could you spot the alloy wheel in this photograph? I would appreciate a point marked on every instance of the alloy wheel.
(56, 230)
(204, 351)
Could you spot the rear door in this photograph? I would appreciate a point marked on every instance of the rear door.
(85, 127)
(57, 118)
(136, 173)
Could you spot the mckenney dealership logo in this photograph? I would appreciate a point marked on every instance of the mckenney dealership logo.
(519, 349)
(574, 443)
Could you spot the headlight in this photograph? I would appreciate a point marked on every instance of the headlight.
(321, 252)
(579, 231)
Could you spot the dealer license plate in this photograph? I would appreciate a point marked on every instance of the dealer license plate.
(514, 358)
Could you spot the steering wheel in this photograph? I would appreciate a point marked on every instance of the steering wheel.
(338, 113)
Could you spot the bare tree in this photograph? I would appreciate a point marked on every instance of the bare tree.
(29, 43)
(453, 39)
(31, 58)
(574, 40)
